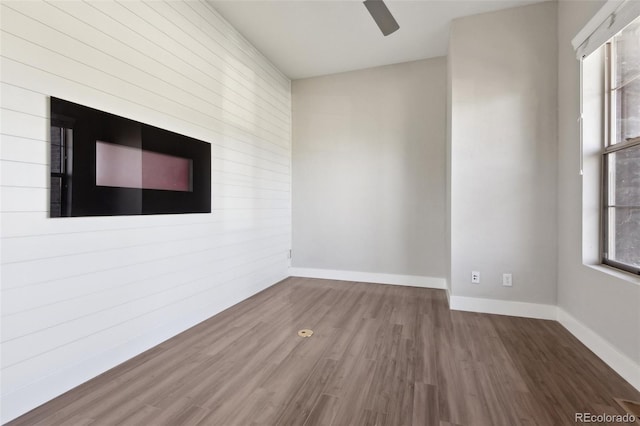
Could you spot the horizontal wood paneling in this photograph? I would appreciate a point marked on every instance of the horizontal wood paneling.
(97, 284)
(23, 174)
(103, 288)
(22, 249)
(34, 224)
(95, 34)
(15, 148)
(117, 333)
(23, 105)
(31, 341)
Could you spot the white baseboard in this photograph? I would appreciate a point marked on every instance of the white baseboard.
(619, 362)
(622, 364)
(370, 277)
(502, 307)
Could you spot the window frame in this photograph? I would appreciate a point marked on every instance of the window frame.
(611, 145)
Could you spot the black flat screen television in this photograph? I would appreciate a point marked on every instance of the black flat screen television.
(106, 165)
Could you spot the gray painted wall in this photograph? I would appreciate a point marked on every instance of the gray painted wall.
(369, 166)
(448, 178)
(604, 301)
(503, 153)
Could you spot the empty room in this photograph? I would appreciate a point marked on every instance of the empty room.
(320, 212)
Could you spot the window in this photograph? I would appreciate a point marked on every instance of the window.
(621, 153)
(61, 167)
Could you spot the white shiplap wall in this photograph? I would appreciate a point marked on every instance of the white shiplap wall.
(80, 295)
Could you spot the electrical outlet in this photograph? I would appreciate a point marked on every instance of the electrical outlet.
(475, 277)
(507, 280)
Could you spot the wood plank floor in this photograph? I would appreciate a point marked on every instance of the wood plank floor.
(380, 355)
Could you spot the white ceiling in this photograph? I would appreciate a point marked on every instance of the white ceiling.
(306, 38)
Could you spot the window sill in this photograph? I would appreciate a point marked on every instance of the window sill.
(616, 273)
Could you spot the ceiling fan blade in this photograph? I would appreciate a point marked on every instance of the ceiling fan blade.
(380, 13)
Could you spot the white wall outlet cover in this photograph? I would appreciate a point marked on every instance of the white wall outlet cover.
(475, 277)
(507, 280)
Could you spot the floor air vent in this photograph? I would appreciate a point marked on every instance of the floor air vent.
(305, 332)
